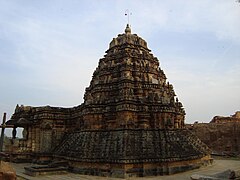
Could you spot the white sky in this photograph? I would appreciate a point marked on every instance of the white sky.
(49, 49)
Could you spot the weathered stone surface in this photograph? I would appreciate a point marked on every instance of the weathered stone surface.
(45, 170)
(221, 134)
(131, 146)
(221, 119)
(6, 171)
(140, 152)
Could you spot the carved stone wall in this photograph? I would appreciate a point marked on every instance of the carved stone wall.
(131, 145)
(140, 152)
(43, 126)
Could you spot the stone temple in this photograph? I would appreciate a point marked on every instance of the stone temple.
(130, 124)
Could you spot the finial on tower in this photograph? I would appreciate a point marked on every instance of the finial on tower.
(128, 29)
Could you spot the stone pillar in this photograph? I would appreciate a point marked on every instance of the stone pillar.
(14, 132)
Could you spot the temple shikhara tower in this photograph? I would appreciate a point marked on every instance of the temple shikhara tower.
(131, 122)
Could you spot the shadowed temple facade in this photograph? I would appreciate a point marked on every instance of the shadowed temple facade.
(130, 124)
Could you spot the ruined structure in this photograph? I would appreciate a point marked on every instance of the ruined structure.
(130, 123)
(221, 119)
(221, 134)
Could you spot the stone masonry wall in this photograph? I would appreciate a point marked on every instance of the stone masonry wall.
(222, 138)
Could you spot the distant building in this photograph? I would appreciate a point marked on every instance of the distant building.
(221, 119)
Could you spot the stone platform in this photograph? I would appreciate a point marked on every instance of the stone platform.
(132, 152)
(44, 170)
(218, 166)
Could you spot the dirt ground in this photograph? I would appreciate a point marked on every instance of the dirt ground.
(219, 165)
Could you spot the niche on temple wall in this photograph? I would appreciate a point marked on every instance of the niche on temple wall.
(153, 79)
(46, 137)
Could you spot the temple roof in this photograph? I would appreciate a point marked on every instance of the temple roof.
(131, 146)
(128, 38)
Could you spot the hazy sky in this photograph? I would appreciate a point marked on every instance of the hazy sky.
(49, 49)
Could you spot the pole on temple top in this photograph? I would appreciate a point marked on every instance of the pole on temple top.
(128, 14)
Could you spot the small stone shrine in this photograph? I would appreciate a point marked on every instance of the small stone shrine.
(130, 124)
